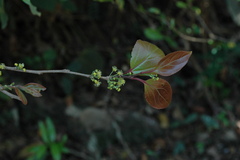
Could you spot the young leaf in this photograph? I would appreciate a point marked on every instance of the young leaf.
(55, 150)
(172, 63)
(32, 8)
(145, 57)
(33, 89)
(21, 96)
(158, 93)
(36, 86)
(51, 130)
(43, 132)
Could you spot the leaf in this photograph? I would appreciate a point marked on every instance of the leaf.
(33, 8)
(153, 34)
(21, 96)
(158, 93)
(41, 151)
(43, 132)
(181, 4)
(45, 4)
(33, 89)
(172, 63)
(64, 139)
(120, 4)
(51, 130)
(55, 150)
(145, 57)
(3, 15)
(210, 122)
(36, 86)
(154, 10)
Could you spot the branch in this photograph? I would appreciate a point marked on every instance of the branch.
(39, 72)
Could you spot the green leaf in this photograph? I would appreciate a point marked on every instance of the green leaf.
(145, 57)
(65, 150)
(51, 130)
(33, 8)
(191, 118)
(64, 139)
(43, 132)
(158, 93)
(154, 10)
(200, 147)
(56, 151)
(48, 5)
(3, 15)
(41, 151)
(172, 63)
(120, 4)
(153, 34)
(69, 5)
(210, 122)
(181, 4)
(21, 95)
(38, 151)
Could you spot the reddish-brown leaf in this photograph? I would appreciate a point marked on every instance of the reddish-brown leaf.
(21, 95)
(158, 93)
(33, 88)
(172, 63)
(36, 86)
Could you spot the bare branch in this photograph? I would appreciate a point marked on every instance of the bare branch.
(39, 72)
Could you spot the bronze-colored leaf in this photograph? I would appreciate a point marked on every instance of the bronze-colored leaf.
(21, 95)
(33, 88)
(158, 93)
(173, 62)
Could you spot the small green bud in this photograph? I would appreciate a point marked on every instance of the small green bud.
(154, 77)
(120, 73)
(97, 83)
(114, 69)
(121, 82)
(2, 66)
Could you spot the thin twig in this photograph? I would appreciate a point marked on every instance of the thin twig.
(63, 71)
(190, 38)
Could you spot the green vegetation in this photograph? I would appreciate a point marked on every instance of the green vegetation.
(84, 44)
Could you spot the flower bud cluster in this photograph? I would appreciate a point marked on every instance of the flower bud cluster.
(154, 77)
(20, 66)
(95, 77)
(116, 81)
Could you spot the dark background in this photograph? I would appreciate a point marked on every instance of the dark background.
(202, 121)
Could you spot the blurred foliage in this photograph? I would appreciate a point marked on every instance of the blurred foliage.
(49, 146)
(81, 35)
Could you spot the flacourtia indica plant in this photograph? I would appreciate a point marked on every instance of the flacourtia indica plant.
(146, 60)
